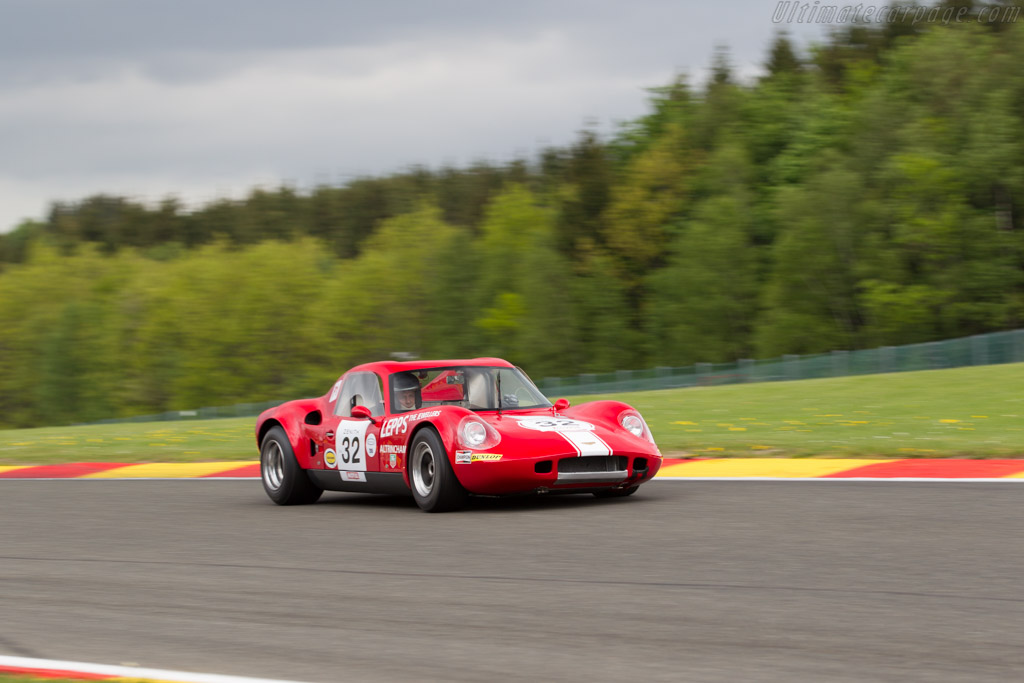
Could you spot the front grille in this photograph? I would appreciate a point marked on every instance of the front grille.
(592, 463)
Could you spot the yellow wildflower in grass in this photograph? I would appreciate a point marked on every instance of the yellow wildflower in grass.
(793, 422)
(949, 422)
(714, 448)
(737, 429)
(980, 417)
(759, 447)
(683, 422)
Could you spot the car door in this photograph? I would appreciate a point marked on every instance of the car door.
(350, 444)
(319, 430)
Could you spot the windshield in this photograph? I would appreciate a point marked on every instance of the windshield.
(473, 387)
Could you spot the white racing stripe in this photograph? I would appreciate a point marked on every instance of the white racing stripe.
(126, 671)
(587, 443)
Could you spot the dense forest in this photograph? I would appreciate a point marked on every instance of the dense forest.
(867, 192)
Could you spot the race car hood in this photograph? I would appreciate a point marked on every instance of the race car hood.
(537, 432)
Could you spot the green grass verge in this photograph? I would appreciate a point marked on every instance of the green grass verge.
(185, 441)
(964, 412)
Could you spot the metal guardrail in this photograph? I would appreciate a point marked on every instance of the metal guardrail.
(982, 349)
(209, 413)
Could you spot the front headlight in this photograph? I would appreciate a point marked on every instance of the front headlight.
(476, 434)
(635, 425)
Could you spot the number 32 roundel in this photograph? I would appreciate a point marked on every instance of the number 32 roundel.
(350, 446)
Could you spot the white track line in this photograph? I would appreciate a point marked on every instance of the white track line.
(932, 480)
(126, 671)
(129, 479)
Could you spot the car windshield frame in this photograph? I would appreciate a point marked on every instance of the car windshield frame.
(474, 387)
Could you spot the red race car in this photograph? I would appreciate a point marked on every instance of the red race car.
(448, 428)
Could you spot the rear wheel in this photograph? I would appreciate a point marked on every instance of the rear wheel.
(617, 493)
(434, 485)
(284, 481)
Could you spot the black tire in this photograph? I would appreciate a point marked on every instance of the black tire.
(433, 483)
(616, 493)
(284, 481)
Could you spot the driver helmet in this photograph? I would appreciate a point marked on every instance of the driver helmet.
(407, 391)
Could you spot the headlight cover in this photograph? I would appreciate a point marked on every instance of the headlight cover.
(476, 434)
(633, 423)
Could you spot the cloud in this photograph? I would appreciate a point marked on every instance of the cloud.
(310, 113)
(188, 98)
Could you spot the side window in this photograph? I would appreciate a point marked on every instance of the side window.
(360, 389)
(334, 392)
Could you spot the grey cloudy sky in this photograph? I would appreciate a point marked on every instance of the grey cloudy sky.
(208, 98)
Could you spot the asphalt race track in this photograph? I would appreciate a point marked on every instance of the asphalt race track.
(686, 581)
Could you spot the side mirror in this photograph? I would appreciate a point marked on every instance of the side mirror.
(362, 412)
(561, 404)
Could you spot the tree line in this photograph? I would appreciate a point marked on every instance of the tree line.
(866, 193)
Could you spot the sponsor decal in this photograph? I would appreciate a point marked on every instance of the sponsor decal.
(371, 445)
(400, 424)
(393, 461)
(350, 444)
(392, 448)
(353, 476)
(554, 424)
(334, 391)
(329, 458)
(464, 457)
(396, 425)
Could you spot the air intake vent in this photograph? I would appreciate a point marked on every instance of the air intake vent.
(597, 463)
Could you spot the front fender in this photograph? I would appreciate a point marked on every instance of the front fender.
(446, 425)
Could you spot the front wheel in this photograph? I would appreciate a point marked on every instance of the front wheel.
(284, 481)
(434, 485)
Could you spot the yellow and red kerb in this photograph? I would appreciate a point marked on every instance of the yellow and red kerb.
(804, 468)
(121, 470)
(781, 468)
